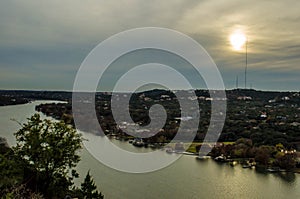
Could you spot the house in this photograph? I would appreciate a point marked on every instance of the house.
(244, 98)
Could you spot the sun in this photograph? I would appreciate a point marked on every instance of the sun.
(237, 40)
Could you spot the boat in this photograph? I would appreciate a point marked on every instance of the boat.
(273, 169)
(245, 166)
(188, 153)
(138, 143)
(203, 157)
(221, 158)
(170, 150)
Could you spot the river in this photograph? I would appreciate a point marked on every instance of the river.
(186, 178)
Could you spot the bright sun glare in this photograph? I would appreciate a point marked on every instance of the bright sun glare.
(237, 40)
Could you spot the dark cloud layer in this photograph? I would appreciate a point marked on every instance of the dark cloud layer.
(46, 41)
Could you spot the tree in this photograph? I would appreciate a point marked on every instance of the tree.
(262, 155)
(288, 161)
(89, 189)
(279, 147)
(10, 172)
(49, 151)
(20, 192)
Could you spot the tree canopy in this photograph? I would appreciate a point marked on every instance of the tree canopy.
(42, 162)
(89, 189)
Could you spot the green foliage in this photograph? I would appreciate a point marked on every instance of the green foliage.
(262, 155)
(41, 164)
(89, 189)
(49, 151)
(48, 146)
(238, 153)
(287, 161)
(10, 172)
(21, 192)
(279, 147)
(10, 168)
(244, 141)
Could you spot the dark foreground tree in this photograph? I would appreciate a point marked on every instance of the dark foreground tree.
(49, 151)
(41, 164)
(10, 172)
(89, 189)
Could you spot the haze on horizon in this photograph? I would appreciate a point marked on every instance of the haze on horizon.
(44, 43)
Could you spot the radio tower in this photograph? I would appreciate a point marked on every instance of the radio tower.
(246, 65)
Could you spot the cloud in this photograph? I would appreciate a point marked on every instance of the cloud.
(55, 36)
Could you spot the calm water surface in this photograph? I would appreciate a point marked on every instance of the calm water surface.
(186, 178)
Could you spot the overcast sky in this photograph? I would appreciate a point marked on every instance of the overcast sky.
(43, 43)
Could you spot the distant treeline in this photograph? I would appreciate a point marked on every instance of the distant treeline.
(23, 96)
(267, 118)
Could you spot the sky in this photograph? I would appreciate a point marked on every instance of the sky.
(43, 43)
